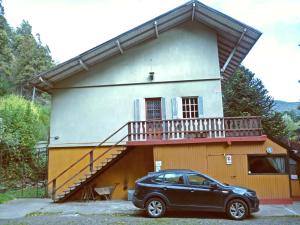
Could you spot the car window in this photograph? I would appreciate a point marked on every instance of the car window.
(196, 179)
(174, 178)
(158, 179)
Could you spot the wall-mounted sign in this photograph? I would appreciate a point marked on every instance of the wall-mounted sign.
(294, 177)
(269, 150)
(157, 166)
(228, 159)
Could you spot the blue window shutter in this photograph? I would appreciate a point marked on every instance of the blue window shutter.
(200, 107)
(174, 108)
(179, 107)
(142, 110)
(163, 108)
(136, 104)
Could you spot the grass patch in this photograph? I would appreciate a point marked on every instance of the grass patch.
(29, 192)
(43, 214)
(4, 197)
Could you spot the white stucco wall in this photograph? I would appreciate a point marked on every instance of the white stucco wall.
(81, 116)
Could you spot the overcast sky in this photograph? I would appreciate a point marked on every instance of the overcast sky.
(70, 27)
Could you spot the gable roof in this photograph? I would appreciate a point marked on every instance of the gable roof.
(235, 40)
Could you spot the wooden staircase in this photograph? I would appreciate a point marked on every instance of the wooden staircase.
(81, 173)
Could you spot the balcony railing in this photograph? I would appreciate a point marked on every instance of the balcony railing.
(194, 128)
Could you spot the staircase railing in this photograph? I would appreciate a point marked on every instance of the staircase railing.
(90, 164)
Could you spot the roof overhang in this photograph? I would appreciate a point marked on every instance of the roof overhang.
(235, 39)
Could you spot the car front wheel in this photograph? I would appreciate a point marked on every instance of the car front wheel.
(237, 209)
(155, 207)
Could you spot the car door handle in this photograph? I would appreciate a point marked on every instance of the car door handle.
(192, 190)
(164, 188)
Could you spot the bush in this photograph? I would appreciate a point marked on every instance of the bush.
(23, 125)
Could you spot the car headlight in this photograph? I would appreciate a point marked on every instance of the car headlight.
(250, 194)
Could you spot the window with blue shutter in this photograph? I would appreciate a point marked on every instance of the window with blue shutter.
(190, 107)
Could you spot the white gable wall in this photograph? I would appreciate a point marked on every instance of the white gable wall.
(187, 54)
(184, 53)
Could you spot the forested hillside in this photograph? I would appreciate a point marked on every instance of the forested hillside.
(282, 106)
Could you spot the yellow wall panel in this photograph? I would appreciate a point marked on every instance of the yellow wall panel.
(61, 158)
(181, 157)
(210, 159)
(136, 164)
(206, 158)
(295, 184)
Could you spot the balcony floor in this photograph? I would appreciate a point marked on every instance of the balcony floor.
(227, 140)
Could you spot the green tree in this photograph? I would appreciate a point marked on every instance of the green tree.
(22, 56)
(1, 9)
(245, 95)
(31, 57)
(6, 56)
(23, 125)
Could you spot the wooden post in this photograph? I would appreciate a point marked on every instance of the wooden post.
(129, 131)
(134, 130)
(91, 161)
(53, 188)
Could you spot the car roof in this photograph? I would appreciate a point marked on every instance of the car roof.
(174, 171)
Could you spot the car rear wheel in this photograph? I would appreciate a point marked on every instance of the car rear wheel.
(237, 209)
(155, 207)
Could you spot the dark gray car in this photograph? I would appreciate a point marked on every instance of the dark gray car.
(190, 190)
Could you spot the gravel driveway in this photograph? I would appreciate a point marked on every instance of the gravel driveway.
(140, 218)
(43, 211)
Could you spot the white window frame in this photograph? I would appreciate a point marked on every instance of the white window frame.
(188, 102)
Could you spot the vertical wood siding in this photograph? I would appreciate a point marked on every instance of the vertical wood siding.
(61, 158)
(295, 188)
(182, 157)
(135, 164)
(210, 159)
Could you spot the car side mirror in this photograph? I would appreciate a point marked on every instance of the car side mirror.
(213, 186)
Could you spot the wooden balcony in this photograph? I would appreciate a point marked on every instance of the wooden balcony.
(200, 128)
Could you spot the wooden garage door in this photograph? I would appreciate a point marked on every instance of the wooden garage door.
(231, 174)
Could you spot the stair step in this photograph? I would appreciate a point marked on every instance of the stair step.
(72, 188)
(93, 172)
(59, 197)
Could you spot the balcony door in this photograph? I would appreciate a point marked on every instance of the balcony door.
(153, 118)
